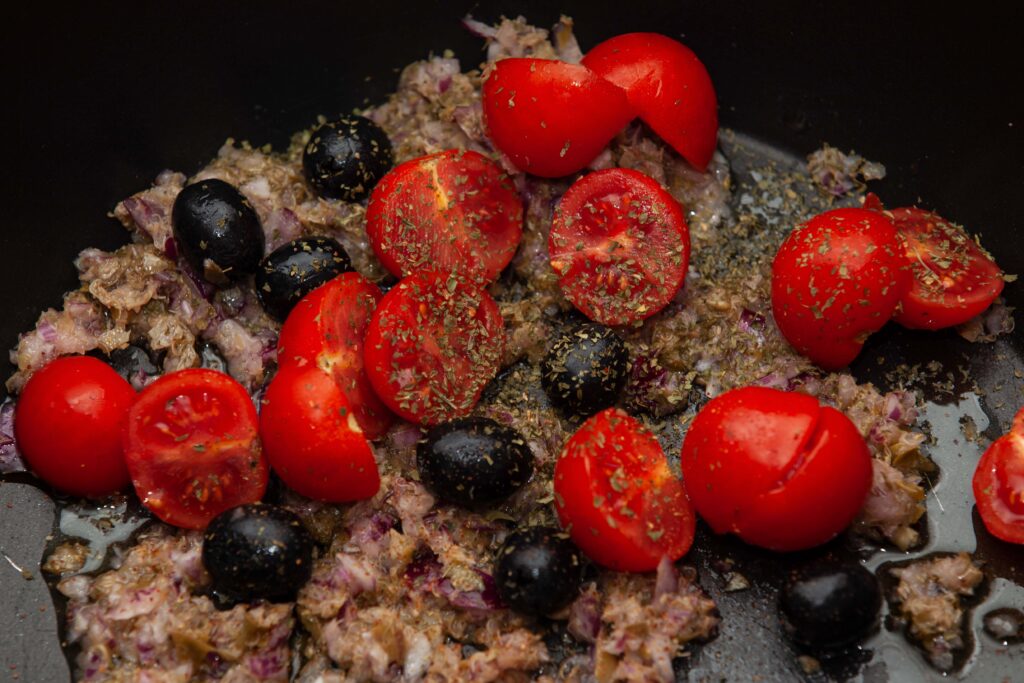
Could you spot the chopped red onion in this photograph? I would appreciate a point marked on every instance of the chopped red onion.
(667, 579)
(10, 457)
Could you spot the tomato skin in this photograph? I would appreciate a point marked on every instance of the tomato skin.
(192, 447)
(998, 485)
(618, 498)
(326, 329)
(313, 440)
(454, 210)
(620, 246)
(433, 344)
(68, 422)
(954, 278)
(549, 117)
(667, 85)
(775, 468)
(835, 280)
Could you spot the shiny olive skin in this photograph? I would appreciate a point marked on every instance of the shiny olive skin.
(586, 369)
(217, 231)
(538, 570)
(295, 269)
(345, 158)
(830, 604)
(474, 461)
(258, 552)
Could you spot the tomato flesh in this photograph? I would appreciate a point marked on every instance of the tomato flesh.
(454, 210)
(326, 329)
(620, 246)
(775, 468)
(954, 278)
(433, 343)
(667, 85)
(999, 485)
(312, 437)
(551, 118)
(68, 423)
(192, 447)
(835, 280)
(618, 498)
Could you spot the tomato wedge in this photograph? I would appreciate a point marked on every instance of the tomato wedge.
(667, 85)
(326, 329)
(192, 448)
(312, 438)
(775, 468)
(999, 484)
(620, 246)
(955, 279)
(618, 498)
(454, 210)
(433, 343)
(551, 118)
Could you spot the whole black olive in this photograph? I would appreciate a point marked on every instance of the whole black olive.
(258, 552)
(586, 369)
(344, 159)
(538, 570)
(295, 269)
(474, 461)
(830, 604)
(217, 231)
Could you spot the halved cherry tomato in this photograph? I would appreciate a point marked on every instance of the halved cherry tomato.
(954, 279)
(68, 423)
(326, 329)
(667, 85)
(999, 485)
(551, 118)
(454, 210)
(313, 440)
(775, 468)
(617, 496)
(433, 343)
(192, 447)
(620, 246)
(835, 280)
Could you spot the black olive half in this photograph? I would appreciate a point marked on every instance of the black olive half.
(217, 231)
(344, 159)
(538, 570)
(586, 369)
(258, 552)
(295, 269)
(474, 461)
(830, 605)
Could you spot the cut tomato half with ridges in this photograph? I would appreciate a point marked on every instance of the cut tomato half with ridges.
(619, 245)
(455, 210)
(999, 485)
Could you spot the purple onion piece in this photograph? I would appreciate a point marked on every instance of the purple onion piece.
(10, 456)
(752, 322)
(667, 579)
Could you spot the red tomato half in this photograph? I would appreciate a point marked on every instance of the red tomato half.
(835, 280)
(434, 342)
(620, 246)
(453, 210)
(617, 497)
(68, 423)
(313, 440)
(551, 118)
(999, 485)
(326, 329)
(954, 278)
(192, 447)
(667, 85)
(775, 468)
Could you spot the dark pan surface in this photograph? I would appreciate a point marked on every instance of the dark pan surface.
(98, 99)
